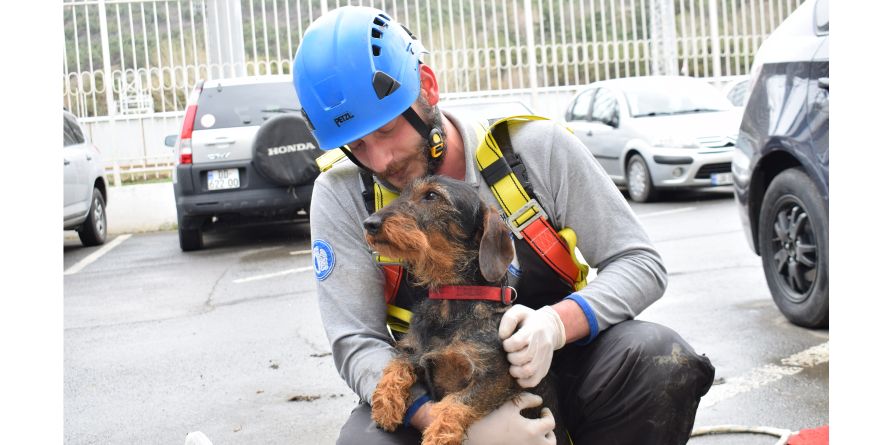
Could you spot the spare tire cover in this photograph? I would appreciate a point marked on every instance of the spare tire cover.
(285, 151)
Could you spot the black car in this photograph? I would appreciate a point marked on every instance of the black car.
(244, 155)
(780, 165)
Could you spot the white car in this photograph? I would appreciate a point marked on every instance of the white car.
(657, 132)
(86, 191)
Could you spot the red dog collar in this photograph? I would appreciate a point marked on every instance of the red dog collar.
(504, 294)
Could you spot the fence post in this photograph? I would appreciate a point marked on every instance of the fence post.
(715, 36)
(664, 38)
(226, 31)
(107, 75)
(530, 52)
(117, 181)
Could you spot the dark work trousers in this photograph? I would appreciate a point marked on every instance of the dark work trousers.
(636, 383)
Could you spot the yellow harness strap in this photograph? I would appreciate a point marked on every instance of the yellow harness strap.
(328, 159)
(525, 216)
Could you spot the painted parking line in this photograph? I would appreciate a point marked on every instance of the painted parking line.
(273, 275)
(300, 252)
(97, 254)
(666, 212)
(766, 374)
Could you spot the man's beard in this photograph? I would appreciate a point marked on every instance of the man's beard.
(422, 151)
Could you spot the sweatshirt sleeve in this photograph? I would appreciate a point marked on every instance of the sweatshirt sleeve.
(577, 193)
(350, 294)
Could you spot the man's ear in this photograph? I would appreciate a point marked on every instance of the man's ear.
(496, 249)
(429, 88)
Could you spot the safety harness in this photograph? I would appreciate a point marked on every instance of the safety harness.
(506, 176)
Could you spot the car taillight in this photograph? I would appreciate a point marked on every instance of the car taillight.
(184, 147)
(184, 150)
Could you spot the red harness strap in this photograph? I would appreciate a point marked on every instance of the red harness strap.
(489, 293)
(543, 238)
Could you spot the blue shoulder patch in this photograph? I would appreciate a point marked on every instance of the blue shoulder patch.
(324, 259)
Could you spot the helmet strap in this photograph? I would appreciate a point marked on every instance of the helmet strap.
(434, 136)
(347, 152)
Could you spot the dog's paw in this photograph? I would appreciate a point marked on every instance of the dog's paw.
(443, 433)
(387, 412)
(391, 394)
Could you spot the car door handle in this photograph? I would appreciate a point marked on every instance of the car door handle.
(590, 132)
(88, 158)
(221, 141)
(67, 162)
(824, 83)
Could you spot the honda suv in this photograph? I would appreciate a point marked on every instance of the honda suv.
(244, 155)
(781, 163)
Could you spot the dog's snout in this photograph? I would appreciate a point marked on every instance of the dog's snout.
(372, 224)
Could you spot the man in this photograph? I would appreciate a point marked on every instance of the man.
(361, 84)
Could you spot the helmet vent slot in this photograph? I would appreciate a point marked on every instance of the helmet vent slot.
(384, 16)
(379, 22)
(376, 50)
(384, 84)
(376, 33)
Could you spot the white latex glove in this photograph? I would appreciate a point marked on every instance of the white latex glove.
(531, 349)
(505, 425)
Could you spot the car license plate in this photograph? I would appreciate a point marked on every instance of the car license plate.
(228, 178)
(721, 179)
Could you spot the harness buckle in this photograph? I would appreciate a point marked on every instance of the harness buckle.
(531, 205)
(386, 261)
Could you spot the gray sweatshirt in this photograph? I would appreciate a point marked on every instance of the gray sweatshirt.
(570, 185)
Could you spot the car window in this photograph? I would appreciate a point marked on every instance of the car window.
(605, 107)
(673, 96)
(822, 18)
(244, 105)
(72, 132)
(581, 106)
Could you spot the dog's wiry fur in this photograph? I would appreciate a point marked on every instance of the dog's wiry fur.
(445, 235)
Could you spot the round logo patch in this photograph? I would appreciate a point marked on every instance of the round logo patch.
(324, 259)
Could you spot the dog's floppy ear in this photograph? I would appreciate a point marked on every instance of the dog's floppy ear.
(496, 249)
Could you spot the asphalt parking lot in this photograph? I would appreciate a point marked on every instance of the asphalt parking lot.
(228, 340)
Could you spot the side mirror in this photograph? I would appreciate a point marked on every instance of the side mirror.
(612, 121)
(170, 140)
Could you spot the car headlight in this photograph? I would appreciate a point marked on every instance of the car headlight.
(674, 142)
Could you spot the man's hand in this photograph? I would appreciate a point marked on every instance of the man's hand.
(505, 425)
(531, 349)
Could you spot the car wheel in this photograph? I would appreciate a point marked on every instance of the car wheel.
(793, 238)
(190, 236)
(94, 230)
(640, 187)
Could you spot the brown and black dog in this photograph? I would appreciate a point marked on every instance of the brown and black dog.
(446, 236)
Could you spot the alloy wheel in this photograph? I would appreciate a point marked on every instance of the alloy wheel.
(99, 215)
(794, 249)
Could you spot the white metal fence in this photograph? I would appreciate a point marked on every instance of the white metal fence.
(137, 58)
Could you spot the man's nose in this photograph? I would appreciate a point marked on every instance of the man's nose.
(378, 156)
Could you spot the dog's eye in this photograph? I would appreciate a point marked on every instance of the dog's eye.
(430, 196)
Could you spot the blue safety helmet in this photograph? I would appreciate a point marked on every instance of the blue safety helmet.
(355, 70)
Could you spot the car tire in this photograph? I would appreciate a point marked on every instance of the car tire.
(793, 239)
(94, 230)
(190, 238)
(640, 187)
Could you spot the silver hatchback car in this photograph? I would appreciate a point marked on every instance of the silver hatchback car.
(657, 132)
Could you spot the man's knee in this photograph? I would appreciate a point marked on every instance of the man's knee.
(663, 357)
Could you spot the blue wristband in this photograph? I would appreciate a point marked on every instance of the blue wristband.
(589, 314)
(407, 419)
